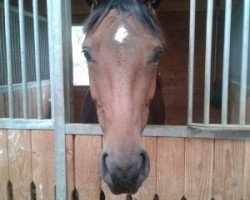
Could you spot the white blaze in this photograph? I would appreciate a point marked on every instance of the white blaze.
(121, 34)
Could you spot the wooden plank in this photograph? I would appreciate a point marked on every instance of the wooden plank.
(4, 164)
(32, 103)
(199, 168)
(16, 104)
(45, 102)
(43, 159)
(6, 103)
(87, 152)
(2, 106)
(246, 176)
(248, 110)
(20, 103)
(228, 169)
(170, 168)
(20, 163)
(70, 165)
(233, 105)
(148, 189)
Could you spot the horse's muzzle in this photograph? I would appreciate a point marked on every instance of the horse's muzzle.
(124, 178)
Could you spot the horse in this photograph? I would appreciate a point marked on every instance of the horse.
(123, 46)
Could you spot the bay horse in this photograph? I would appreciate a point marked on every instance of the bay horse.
(123, 45)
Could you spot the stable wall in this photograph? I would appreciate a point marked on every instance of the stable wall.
(181, 168)
(31, 97)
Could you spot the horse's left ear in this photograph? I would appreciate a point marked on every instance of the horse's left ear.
(153, 4)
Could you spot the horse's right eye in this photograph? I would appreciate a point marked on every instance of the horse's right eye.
(87, 54)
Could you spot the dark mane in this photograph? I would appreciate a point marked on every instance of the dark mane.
(135, 8)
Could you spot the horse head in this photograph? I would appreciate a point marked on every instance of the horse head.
(123, 46)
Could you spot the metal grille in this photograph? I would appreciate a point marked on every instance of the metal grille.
(24, 53)
(29, 47)
(226, 63)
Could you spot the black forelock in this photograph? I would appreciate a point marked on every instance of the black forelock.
(135, 8)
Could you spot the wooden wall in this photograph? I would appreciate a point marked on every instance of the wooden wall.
(234, 96)
(18, 103)
(192, 169)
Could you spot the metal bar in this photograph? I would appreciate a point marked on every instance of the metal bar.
(50, 46)
(8, 57)
(79, 129)
(26, 13)
(55, 10)
(226, 56)
(37, 60)
(221, 134)
(209, 31)
(245, 43)
(1, 49)
(220, 126)
(26, 124)
(67, 60)
(150, 130)
(191, 60)
(23, 59)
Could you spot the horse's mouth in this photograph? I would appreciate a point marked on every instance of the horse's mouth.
(124, 189)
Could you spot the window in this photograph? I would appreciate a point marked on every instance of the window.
(80, 69)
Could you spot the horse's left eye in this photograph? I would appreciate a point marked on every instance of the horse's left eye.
(87, 54)
(157, 54)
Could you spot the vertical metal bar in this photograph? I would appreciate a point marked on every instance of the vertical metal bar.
(191, 61)
(226, 56)
(209, 28)
(55, 10)
(245, 43)
(37, 60)
(50, 48)
(68, 61)
(1, 49)
(8, 57)
(23, 59)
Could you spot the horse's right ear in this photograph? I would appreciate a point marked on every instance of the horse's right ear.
(89, 2)
(92, 3)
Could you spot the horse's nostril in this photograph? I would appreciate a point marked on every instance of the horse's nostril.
(145, 166)
(104, 156)
(145, 158)
(103, 164)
